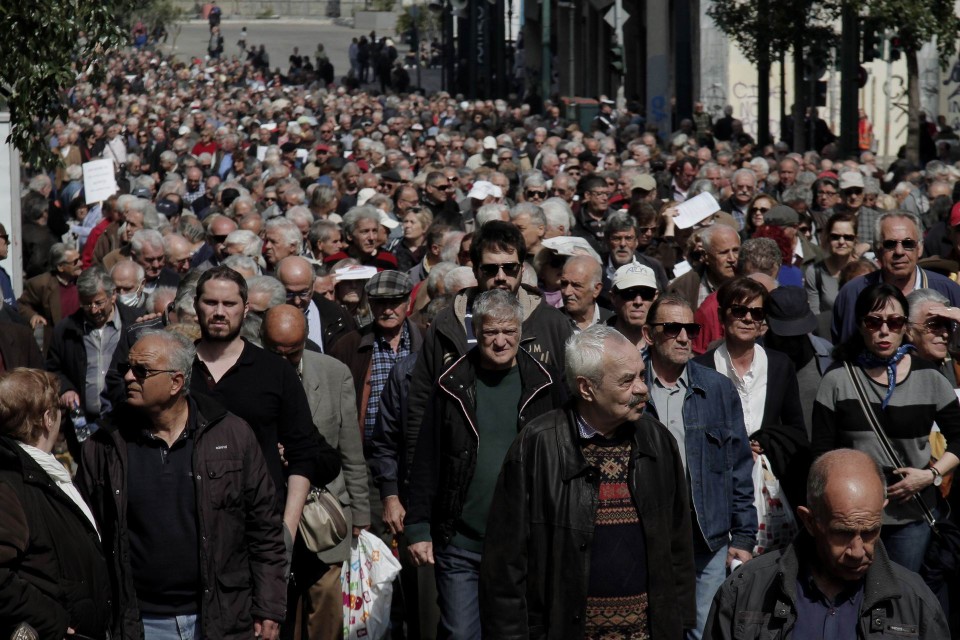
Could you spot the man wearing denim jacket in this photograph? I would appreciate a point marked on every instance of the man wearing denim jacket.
(702, 410)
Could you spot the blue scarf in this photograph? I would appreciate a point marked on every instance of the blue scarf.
(868, 360)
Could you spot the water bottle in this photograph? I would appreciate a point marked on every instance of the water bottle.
(80, 426)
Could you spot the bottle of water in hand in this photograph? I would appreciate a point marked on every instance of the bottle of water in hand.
(80, 426)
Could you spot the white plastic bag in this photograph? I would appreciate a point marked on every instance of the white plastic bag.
(778, 526)
(367, 585)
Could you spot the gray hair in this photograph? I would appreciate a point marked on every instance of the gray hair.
(321, 230)
(146, 238)
(353, 217)
(244, 262)
(535, 179)
(918, 297)
(703, 185)
(558, 214)
(706, 235)
(744, 172)
(180, 353)
(620, 221)
(451, 246)
(762, 254)
(797, 193)
(298, 213)
(58, 254)
(489, 212)
(289, 231)
(902, 215)
(269, 285)
(496, 304)
(437, 274)
(251, 242)
(151, 299)
(530, 209)
(458, 279)
(584, 353)
(94, 280)
(141, 274)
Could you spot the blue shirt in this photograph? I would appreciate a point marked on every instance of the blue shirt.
(819, 617)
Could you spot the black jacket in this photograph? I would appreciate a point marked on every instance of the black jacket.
(536, 557)
(334, 320)
(446, 455)
(52, 571)
(759, 600)
(242, 553)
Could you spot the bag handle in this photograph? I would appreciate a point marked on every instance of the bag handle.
(885, 443)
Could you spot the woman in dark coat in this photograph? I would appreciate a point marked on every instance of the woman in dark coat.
(52, 573)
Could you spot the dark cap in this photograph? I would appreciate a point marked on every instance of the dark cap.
(788, 313)
(168, 208)
(389, 284)
(588, 157)
(288, 147)
(391, 176)
(142, 192)
(781, 216)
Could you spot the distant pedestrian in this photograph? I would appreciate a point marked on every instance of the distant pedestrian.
(242, 42)
(354, 54)
(363, 59)
(214, 16)
(215, 46)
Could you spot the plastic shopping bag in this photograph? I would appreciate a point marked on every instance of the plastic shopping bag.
(367, 585)
(778, 526)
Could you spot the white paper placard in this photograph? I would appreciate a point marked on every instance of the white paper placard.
(696, 210)
(99, 180)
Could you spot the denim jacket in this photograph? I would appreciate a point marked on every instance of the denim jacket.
(719, 462)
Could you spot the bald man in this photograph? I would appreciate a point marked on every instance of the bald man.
(581, 282)
(835, 580)
(178, 251)
(315, 585)
(326, 321)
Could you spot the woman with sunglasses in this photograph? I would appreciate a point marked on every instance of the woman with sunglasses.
(765, 380)
(821, 278)
(760, 205)
(907, 394)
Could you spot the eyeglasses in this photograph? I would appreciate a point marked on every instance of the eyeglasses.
(96, 305)
(646, 293)
(739, 311)
(539, 195)
(908, 244)
(269, 198)
(875, 323)
(759, 209)
(826, 193)
(852, 192)
(846, 237)
(442, 187)
(302, 295)
(140, 372)
(674, 329)
(599, 194)
(803, 228)
(510, 269)
(937, 325)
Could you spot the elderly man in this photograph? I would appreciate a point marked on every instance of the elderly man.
(634, 290)
(580, 287)
(852, 188)
(594, 211)
(215, 569)
(480, 404)
(899, 245)
(128, 277)
(281, 239)
(532, 223)
(592, 530)
(622, 242)
(361, 227)
(178, 252)
(438, 196)
(835, 579)
(744, 185)
(721, 247)
(702, 410)
(787, 171)
(326, 321)
(50, 297)
(315, 592)
(146, 249)
(212, 252)
(83, 347)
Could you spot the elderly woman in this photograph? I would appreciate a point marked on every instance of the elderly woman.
(410, 249)
(932, 323)
(822, 278)
(52, 574)
(907, 394)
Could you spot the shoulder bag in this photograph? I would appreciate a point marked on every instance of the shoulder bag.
(323, 524)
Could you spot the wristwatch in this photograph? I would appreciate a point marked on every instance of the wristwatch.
(937, 478)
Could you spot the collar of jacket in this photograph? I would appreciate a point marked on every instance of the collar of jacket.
(573, 463)
(529, 299)
(367, 337)
(694, 382)
(462, 375)
(879, 585)
(126, 422)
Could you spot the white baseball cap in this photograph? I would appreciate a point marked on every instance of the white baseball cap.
(634, 275)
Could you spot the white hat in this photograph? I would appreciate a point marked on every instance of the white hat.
(269, 126)
(482, 190)
(490, 143)
(364, 195)
(634, 275)
(184, 130)
(571, 246)
(356, 272)
(851, 180)
(387, 221)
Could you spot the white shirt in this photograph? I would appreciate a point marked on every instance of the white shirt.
(314, 328)
(752, 387)
(49, 463)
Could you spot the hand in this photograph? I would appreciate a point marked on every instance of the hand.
(393, 513)
(357, 530)
(266, 629)
(421, 553)
(282, 459)
(914, 481)
(738, 554)
(69, 400)
(148, 316)
(668, 216)
(756, 448)
(37, 321)
(953, 313)
(71, 631)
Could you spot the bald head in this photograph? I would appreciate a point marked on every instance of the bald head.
(769, 283)
(846, 474)
(284, 331)
(296, 275)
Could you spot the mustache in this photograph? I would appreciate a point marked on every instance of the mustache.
(637, 400)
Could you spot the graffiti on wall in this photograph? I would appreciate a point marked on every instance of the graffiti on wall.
(896, 89)
(745, 99)
(951, 96)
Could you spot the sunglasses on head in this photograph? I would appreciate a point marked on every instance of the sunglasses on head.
(908, 244)
(673, 329)
(646, 293)
(511, 269)
(875, 323)
(740, 311)
(139, 371)
(846, 237)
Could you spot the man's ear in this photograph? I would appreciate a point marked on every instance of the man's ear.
(808, 519)
(585, 389)
(647, 337)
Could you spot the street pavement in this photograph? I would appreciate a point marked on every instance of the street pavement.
(189, 39)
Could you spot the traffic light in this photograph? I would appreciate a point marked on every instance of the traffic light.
(872, 41)
(616, 59)
(896, 48)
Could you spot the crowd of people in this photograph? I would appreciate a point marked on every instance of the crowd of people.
(484, 331)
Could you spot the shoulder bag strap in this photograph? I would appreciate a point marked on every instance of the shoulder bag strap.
(885, 444)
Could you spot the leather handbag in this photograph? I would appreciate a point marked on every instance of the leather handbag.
(323, 524)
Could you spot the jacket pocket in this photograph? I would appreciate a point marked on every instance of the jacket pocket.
(224, 480)
(235, 593)
(753, 625)
(715, 448)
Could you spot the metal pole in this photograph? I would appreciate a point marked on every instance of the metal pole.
(849, 60)
(546, 73)
(621, 93)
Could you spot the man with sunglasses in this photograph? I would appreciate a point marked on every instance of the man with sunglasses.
(212, 252)
(634, 290)
(899, 245)
(438, 197)
(702, 410)
(623, 248)
(327, 321)
(851, 201)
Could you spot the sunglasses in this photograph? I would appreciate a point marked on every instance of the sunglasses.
(299, 295)
(218, 239)
(646, 293)
(875, 323)
(674, 329)
(846, 237)
(852, 192)
(510, 269)
(908, 244)
(540, 195)
(759, 209)
(140, 372)
(739, 311)
(938, 325)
